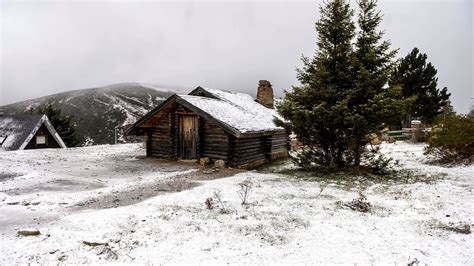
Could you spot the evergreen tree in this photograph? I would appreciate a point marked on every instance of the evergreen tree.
(342, 96)
(64, 125)
(316, 109)
(372, 104)
(417, 77)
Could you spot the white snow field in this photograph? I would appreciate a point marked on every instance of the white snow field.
(110, 204)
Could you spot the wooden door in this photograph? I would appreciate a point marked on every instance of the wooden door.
(188, 137)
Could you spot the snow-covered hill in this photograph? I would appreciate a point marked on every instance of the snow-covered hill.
(98, 111)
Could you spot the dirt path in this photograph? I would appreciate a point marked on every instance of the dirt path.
(144, 191)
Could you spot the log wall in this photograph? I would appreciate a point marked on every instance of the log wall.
(251, 152)
(246, 151)
(214, 141)
(161, 140)
(278, 146)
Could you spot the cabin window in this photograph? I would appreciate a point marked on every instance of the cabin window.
(40, 139)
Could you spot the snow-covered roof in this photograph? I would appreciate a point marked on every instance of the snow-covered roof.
(16, 131)
(247, 114)
(242, 119)
(237, 111)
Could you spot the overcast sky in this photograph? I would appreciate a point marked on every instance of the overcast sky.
(50, 47)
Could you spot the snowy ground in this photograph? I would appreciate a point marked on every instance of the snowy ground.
(151, 211)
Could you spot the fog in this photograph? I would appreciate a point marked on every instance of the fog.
(50, 47)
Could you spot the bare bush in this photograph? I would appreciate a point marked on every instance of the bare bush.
(359, 204)
(244, 191)
(218, 197)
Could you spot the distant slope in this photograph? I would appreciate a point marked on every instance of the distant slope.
(98, 111)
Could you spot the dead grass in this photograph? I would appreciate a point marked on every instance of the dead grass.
(460, 228)
(456, 227)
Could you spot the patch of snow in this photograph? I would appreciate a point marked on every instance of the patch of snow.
(102, 102)
(130, 111)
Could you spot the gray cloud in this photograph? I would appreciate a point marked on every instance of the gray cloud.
(50, 47)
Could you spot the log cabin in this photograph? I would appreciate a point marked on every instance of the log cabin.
(23, 132)
(218, 124)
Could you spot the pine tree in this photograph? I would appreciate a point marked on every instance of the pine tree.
(342, 96)
(317, 108)
(64, 125)
(373, 104)
(373, 56)
(417, 77)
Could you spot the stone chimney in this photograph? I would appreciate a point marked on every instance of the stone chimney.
(265, 93)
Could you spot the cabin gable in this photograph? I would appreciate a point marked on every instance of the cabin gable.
(42, 139)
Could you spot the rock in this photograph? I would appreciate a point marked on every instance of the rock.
(28, 232)
(204, 161)
(391, 140)
(219, 164)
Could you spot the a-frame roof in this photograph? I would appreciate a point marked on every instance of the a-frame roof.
(237, 113)
(16, 131)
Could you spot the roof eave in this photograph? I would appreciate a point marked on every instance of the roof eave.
(261, 133)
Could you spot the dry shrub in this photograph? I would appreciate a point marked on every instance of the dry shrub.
(216, 197)
(244, 191)
(359, 204)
